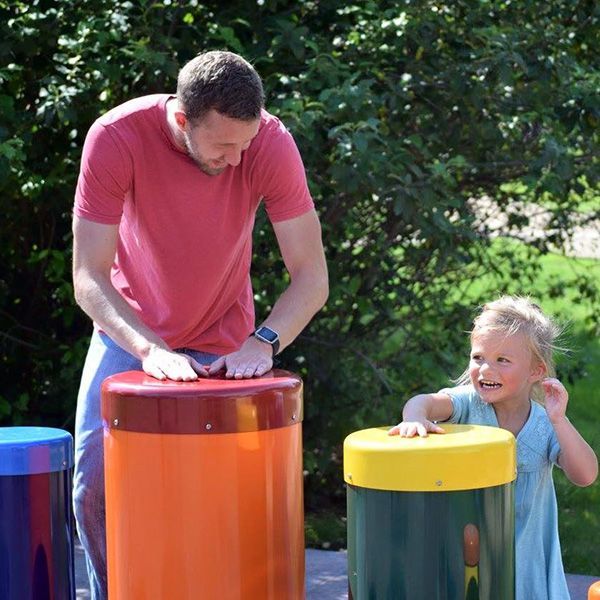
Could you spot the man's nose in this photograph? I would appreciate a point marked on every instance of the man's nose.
(233, 157)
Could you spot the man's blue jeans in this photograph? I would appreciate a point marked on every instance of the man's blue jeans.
(104, 358)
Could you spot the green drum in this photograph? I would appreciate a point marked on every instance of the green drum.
(431, 518)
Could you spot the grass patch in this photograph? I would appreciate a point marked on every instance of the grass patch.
(579, 370)
(579, 508)
(579, 519)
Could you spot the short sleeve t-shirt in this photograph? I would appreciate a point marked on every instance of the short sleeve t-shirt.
(539, 569)
(185, 237)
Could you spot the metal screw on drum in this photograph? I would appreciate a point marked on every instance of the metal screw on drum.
(438, 483)
(208, 426)
(293, 417)
(116, 422)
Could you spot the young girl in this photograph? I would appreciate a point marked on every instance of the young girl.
(511, 363)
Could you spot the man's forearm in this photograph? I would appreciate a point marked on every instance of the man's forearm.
(105, 306)
(303, 298)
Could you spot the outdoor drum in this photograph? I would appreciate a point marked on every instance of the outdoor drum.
(431, 518)
(204, 487)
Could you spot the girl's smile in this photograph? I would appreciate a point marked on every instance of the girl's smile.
(485, 383)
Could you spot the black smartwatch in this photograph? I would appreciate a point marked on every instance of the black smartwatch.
(268, 336)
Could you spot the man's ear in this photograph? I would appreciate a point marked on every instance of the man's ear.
(180, 119)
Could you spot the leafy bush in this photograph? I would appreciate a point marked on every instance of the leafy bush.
(405, 112)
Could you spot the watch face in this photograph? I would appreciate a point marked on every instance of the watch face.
(267, 334)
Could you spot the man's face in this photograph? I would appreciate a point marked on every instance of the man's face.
(217, 142)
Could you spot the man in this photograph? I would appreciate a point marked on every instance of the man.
(163, 217)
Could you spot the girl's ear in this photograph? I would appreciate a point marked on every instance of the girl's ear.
(538, 372)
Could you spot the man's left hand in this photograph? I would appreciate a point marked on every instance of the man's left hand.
(253, 359)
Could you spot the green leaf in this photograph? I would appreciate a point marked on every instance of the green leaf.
(5, 407)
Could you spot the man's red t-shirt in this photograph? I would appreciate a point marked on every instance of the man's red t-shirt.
(185, 238)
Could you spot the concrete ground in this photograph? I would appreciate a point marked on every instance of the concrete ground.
(325, 577)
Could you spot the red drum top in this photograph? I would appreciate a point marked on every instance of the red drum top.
(134, 401)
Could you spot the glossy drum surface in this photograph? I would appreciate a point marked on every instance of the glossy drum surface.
(465, 457)
(204, 512)
(412, 542)
(36, 522)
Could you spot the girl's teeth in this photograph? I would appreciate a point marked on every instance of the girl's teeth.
(489, 384)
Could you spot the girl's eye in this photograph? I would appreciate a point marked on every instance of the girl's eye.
(476, 357)
(502, 359)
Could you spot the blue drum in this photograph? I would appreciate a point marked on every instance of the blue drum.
(36, 519)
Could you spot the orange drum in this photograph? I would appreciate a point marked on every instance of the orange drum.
(204, 488)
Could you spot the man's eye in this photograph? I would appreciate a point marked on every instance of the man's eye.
(476, 357)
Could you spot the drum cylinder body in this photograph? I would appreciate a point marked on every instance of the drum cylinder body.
(431, 518)
(204, 488)
(36, 517)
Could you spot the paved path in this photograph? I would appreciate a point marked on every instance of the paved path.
(326, 577)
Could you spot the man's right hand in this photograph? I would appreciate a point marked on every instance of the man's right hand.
(94, 248)
(165, 364)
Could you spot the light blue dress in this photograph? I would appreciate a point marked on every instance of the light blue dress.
(539, 569)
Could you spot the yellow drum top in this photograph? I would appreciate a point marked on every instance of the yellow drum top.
(466, 457)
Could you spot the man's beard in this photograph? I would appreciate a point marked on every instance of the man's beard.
(195, 156)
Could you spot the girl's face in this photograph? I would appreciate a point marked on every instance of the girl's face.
(502, 367)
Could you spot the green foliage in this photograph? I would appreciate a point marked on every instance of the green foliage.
(403, 111)
(578, 524)
(577, 367)
(325, 530)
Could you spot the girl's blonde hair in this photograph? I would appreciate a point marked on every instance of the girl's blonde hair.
(518, 314)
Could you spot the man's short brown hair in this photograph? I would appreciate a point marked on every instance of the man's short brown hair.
(222, 81)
